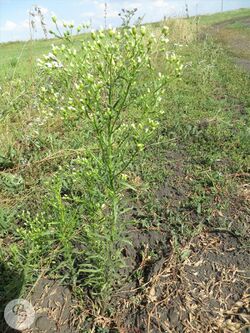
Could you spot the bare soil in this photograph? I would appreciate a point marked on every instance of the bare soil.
(206, 290)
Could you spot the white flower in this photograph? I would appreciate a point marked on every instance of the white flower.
(165, 30)
(165, 40)
(48, 64)
(52, 56)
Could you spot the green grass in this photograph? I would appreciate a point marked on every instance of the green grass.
(239, 26)
(24, 52)
(191, 177)
(23, 55)
(222, 17)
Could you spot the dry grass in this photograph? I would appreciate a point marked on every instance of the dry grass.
(182, 30)
(200, 293)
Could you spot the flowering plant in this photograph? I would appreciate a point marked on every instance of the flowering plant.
(111, 82)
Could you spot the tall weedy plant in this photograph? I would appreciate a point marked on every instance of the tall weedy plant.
(111, 83)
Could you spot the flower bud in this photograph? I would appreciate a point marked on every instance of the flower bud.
(111, 32)
(93, 35)
(134, 31)
(54, 18)
(143, 30)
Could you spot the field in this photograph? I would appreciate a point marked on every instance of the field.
(146, 228)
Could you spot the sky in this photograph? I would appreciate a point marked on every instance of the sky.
(14, 14)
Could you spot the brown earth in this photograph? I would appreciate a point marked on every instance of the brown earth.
(204, 290)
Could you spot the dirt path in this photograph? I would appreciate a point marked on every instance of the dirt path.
(235, 35)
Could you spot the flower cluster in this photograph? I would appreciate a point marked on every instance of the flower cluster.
(49, 61)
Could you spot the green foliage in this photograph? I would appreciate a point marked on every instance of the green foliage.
(48, 237)
(7, 160)
(6, 219)
(10, 182)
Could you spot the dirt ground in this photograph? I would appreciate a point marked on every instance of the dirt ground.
(207, 290)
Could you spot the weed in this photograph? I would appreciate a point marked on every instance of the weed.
(111, 84)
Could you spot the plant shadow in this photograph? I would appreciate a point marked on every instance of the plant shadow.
(11, 282)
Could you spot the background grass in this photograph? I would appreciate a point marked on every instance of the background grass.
(20, 56)
(221, 17)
